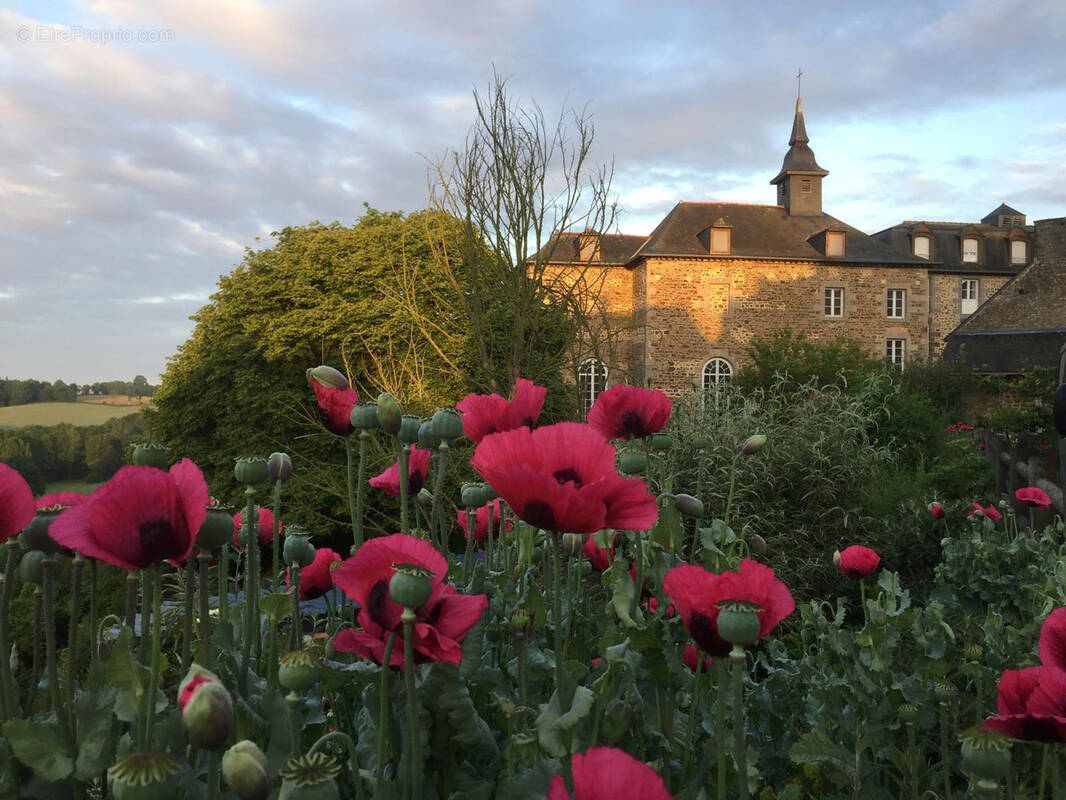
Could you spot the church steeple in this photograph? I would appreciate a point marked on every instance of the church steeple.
(799, 183)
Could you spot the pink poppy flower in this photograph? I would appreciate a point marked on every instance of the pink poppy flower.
(936, 511)
(481, 521)
(334, 397)
(16, 502)
(317, 577)
(140, 516)
(606, 773)
(624, 412)
(991, 512)
(484, 414)
(265, 533)
(61, 500)
(417, 469)
(858, 561)
(1032, 496)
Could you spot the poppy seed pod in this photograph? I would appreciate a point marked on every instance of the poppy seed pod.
(247, 771)
(409, 425)
(206, 709)
(279, 465)
(688, 505)
(364, 416)
(35, 536)
(150, 454)
(447, 424)
(327, 376)
(701, 442)
(574, 544)
(985, 753)
(634, 463)
(297, 671)
(217, 529)
(661, 442)
(310, 777)
(390, 415)
(738, 622)
(31, 567)
(250, 470)
(143, 776)
(298, 550)
(753, 444)
(411, 585)
(908, 712)
(471, 495)
(427, 437)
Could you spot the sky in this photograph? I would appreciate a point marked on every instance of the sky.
(148, 143)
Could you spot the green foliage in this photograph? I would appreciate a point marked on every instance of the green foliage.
(790, 361)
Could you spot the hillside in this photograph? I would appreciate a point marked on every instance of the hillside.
(56, 413)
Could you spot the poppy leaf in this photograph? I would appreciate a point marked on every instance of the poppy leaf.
(39, 746)
(277, 606)
(552, 724)
(815, 747)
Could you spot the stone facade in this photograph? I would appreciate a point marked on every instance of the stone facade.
(945, 306)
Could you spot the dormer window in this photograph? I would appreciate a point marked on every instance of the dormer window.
(589, 245)
(721, 238)
(1018, 251)
(969, 250)
(922, 246)
(834, 244)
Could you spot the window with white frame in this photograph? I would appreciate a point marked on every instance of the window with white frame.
(969, 289)
(921, 246)
(896, 303)
(1017, 252)
(591, 381)
(895, 350)
(834, 301)
(969, 250)
(716, 372)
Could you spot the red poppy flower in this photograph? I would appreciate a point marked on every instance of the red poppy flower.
(696, 593)
(936, 511)
(1031, 704)
(417, 469)
(599, 557)
(61, 499)
(858, 561)
(651, 605)
(441, 623)
(316, 578)
(481, 521)
(140, 516)
(691, 656)
(16, 502)
(624, 412)
(265, 533)
(989, 512)
(606, 773)
(1053, 639)
(1032, 496)
(335, 399)
(489, 413)
(562, 478)
(959, 427)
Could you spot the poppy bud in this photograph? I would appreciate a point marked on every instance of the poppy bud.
(298, 550)
(251, 470)
(247, 771)
(427, 437)
(364, 416)
(279, 465)
(634, 463)
(217, 529)
(738, 621)
(822, 622)
(447, 424)
(143, 776)
(411, 585)
(757, 545)
(701, 442)
(688, 505)
(425, 497)
(753, 444)
(409, 425)
(661, 442)
(574, 544)
(390, 415)
(31, 567)
(327, 376)
(310, 778)
(617, 718)
(206, 709)
(836, 559)
(297, 671)
(150, 454)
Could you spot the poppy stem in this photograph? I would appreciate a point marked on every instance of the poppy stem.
(414, 765)
(719, 725)
(635, 601)
(223, 585)
(146, 616)
(250, 538)
(204, 559)
(862, 600)
(297, 624)
(437, 529)
(7, 684)
(471, 519)
(156, 579)
(349, 746)
(732, 487)
(49, 564)
(131, 598)
(561, 684)
(213, 759)
(383, 714)
(72, 629)
(693, 711)
(94, 640)
(186, 632)
(488, 538)
(360, 488)
(404, 458)
(275, 542)
(35, 674)
(739, 662)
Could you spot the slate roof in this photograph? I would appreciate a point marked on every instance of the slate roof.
(615, 248)
(993, 254)
(763, 232)
(1003, 211)
(800, 157)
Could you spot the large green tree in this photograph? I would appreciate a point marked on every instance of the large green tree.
(320, 294)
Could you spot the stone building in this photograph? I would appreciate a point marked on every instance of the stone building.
(684, 303)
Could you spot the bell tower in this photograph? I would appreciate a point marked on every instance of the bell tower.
(799, 183)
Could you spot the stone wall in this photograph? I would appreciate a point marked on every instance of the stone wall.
(945, 304)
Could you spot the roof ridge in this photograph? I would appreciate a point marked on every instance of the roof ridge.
(725, 203)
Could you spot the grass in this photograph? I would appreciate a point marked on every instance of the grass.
(56, 413)
(70, 486)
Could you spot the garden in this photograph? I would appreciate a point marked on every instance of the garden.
(793, 588)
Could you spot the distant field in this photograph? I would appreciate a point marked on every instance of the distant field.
(70, 486)
(115, 400)
(55, 413)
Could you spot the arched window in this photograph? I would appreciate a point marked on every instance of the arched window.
(716, 372)
(591, 381)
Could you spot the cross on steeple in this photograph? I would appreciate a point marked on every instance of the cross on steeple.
(799, 82)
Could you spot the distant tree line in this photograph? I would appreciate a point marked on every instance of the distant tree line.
(16, 392)
(70, 452)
